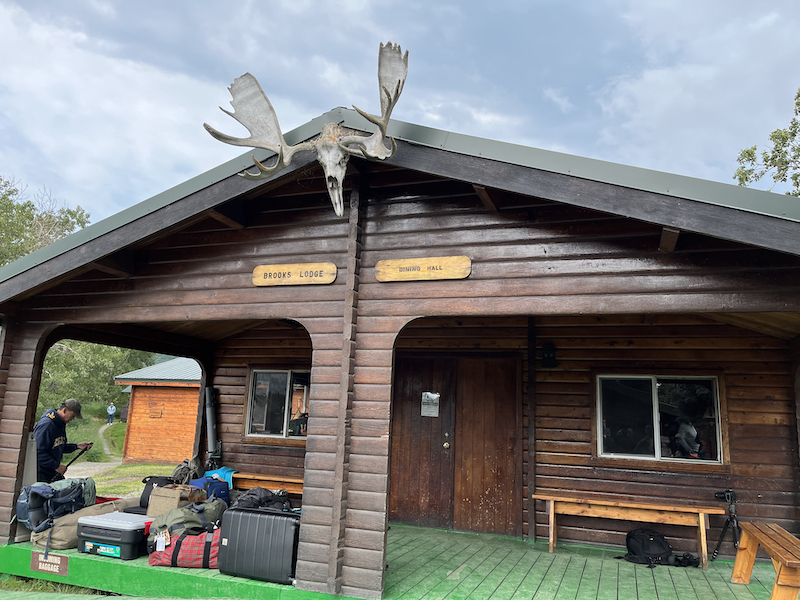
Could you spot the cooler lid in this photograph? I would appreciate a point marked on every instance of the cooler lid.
(117, 520)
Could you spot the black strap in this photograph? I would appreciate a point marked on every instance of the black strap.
(207, 550)
(47, 545)
(176, 549)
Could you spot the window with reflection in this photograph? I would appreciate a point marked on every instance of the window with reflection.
(278, 403)
(659, 418)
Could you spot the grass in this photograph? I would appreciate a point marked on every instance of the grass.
(127, 479)
(87, 430)
(115, 436)
(12, 583)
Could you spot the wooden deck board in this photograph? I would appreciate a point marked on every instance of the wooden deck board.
(500, 568)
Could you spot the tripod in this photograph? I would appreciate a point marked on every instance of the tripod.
(730, 497)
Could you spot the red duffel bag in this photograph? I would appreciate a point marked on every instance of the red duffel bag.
(193, 551)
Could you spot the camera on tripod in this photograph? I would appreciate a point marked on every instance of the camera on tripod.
(728, 495)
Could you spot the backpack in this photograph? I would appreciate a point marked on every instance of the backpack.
(263, 498)
(186, 471)
(40, 504)
(193, 519)
(647, 547)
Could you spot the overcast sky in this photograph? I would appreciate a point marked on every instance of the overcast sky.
(103, 101)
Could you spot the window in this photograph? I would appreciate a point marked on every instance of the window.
(278, 403)
(659, 418)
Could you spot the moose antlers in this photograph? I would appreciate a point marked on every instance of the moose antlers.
(252, 108)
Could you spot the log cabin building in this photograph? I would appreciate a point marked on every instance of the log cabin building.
(554, 324)
(163, 411)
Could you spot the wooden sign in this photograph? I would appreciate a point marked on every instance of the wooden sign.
(418, 269)
(55, 564)
(297, 274)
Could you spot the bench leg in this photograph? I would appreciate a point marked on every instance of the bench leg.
(702, 543)
(787, 582)
(552, 514)
(745, 559)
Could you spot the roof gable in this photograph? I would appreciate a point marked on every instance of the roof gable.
(727, 211)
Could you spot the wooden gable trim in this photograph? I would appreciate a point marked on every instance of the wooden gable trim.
(668, 211)
(158, 223)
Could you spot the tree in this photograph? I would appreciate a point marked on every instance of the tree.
(29, 224)
(781, 162)
(85, 371)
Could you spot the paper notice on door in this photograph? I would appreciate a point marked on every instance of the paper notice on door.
(430, 404)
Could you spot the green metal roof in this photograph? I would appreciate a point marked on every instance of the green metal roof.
(177, 370)
(721, 194)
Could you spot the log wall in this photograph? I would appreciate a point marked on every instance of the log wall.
(161, 423)
(755, 379)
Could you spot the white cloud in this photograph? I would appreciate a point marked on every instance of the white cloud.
(559, 98)
(719, 77)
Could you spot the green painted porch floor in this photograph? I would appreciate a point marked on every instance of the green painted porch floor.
(425, 563)
(429, 564)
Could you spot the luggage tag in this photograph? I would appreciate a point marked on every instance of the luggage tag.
(159, 542)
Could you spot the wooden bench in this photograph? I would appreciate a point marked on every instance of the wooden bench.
(784, 550)
(245, 481)
(672, 514)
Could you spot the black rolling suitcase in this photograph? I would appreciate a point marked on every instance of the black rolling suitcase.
(259, 543)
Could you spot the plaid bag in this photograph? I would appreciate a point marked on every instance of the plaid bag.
(193, 551)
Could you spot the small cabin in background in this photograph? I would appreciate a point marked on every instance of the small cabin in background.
(163, 411)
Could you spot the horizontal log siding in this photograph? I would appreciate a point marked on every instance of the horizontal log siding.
(758, 385)
(551, 260)
(161, 424)
(262, 346)
(19, 353)
(205, 273)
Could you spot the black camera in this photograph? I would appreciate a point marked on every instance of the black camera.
(728, 495)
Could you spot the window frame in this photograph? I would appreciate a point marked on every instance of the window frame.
(272, 439)
(722, 465)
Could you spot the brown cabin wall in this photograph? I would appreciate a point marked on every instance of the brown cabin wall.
(161, 424)
(539, 260)
(273, 345)
(756, 380)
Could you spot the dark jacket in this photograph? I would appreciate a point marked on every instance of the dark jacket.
(51, 444)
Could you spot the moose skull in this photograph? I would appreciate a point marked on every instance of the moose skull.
(253, 109)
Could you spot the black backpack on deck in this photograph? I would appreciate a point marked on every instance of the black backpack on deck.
(647, 547)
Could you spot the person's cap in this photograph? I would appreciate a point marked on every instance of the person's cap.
(74, 406)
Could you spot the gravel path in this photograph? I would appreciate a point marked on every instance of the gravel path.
(90, 469)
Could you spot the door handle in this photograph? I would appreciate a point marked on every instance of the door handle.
(446, 445)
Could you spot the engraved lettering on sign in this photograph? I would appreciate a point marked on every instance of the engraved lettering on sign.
(420, 269)
(54, 564)
(295, 274)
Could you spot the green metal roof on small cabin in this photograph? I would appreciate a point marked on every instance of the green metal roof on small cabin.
(726, 195)
(177, 370)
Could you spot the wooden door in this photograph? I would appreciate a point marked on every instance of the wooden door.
(421, 488)
(486, 479)
(474, 484)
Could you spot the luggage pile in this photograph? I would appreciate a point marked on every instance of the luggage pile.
(176, 521)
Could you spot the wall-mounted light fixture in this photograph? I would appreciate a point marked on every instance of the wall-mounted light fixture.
(549, 356)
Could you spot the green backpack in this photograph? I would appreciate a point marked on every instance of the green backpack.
(193, 518)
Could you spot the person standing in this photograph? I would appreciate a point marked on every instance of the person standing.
(111, 410)
(51, 440)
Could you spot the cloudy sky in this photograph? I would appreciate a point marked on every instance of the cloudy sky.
(102, 101)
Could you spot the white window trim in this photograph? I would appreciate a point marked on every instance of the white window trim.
(286, 403)
(656, 419)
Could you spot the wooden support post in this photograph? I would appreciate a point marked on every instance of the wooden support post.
(344, 416)
(551, 510)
